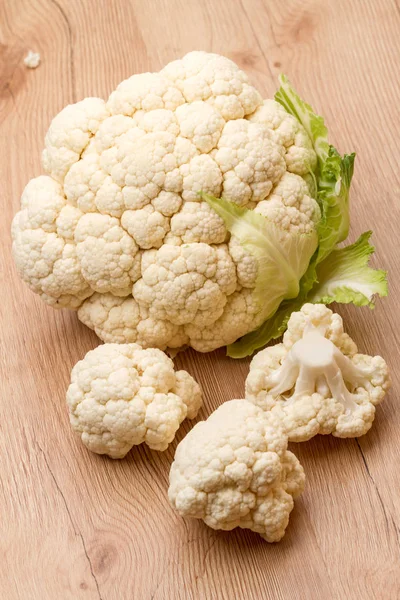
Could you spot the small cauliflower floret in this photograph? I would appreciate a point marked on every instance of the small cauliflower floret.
(147, 226)
(241, 314)
(290, 205)
(167, 203)
(246, 264)
(67, 221)
(251, 162)
(197, 222)
(142, 165)
(112, 130)
(88, 187)
(216, 80)
(234, 470)
(121, 320)
(113, 319)
(300, 156)
(199, 174)
(146, 92)
(201, 124)
(69, 134)
(46, 261)
(186, 284)
(315, 381)
(106, 253)
(122, 395)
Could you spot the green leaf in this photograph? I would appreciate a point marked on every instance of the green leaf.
(282, 256)
(333, 195)
(344, 276)
(304, 113)
(334, 173)
(276, 325)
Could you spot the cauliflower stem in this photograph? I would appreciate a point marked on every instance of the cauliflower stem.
(314, 363)
(315, 381)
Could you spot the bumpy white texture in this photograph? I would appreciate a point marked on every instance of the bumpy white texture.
(315, 381)
(234, 470)
(299, 154)
(32, 60)
(122, 395)
(116, 228)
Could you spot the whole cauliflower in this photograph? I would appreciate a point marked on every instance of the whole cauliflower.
(315, 381)
(234, 470)
(122, 395)
(116, 227)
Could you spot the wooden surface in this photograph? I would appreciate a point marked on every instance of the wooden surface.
(78, 526)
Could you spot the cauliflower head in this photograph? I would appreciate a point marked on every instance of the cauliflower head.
(122, 395)
(315, 381)
(117, 229)
(234, 470)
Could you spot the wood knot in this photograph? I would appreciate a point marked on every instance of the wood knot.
(245, 59)
(303, 28)
(104, 557)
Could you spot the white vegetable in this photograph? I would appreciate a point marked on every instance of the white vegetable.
(121, 396)
(187, 211)
(315, 382)
(234, 470)
(32, 60)
(117, 228)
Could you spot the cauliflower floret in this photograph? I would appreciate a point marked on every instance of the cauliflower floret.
(198, 223)
(246, 264)
(122, 395)
(147, 226)
(201, 173)
(167, 203)
(201, 124)
(216, 80)
(146, 92)
(46, 261)
(250, 161)
(234, 470)
(106, 253)
(69, 134)
(300, 156)
(91, 189)
(122, 320)
(290, 205)
(241, 314)
(187, 284)
(118, 228)
(315, 382)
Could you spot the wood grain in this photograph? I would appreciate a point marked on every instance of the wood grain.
(78, 526)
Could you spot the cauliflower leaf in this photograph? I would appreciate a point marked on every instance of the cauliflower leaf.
(280, 255)
(333, 175)
(344, 276)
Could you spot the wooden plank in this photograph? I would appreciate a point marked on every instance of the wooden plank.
(79, 526)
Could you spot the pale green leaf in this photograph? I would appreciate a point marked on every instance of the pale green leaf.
(344, 276)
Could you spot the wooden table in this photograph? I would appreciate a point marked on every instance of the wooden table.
(79, 526)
